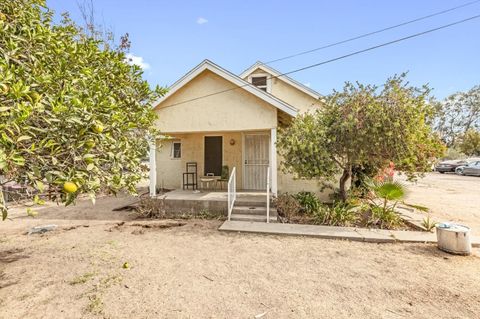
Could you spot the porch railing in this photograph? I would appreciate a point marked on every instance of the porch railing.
(268, 194)
(232, 192)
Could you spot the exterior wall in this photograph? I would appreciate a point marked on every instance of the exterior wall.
(288, 184)
(234, 110)
(291, 95)
(169, 171)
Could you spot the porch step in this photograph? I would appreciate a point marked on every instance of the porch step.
(254, 210)
(250, 203)
(252, 218)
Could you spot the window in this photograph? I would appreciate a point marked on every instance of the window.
(261, 82)
(176, 150)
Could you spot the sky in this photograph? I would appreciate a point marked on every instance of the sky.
(171, 37)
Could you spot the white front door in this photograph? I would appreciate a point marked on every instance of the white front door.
(256, 161)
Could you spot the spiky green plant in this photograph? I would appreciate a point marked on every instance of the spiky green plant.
(382, 213)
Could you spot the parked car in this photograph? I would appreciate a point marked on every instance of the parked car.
(472, 168)
(449, 166)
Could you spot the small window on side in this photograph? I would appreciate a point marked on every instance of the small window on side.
(260, 82)
(176, 150)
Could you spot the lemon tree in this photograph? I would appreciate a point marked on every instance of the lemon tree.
(74, 116)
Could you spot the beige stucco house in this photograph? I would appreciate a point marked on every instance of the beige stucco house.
(215, 118)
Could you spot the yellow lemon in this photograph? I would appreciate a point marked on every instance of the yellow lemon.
(90, 143)
(98, 128)
(70, 187)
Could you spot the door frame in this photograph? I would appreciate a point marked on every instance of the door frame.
(266, 133)
(203, 148)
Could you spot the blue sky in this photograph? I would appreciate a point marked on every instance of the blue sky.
(174, 36)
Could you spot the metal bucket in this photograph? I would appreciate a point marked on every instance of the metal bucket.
(454, 239)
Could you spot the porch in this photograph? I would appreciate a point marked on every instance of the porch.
(247, 206)
(205, 161)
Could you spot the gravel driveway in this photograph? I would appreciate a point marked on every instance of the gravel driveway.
(450, 197)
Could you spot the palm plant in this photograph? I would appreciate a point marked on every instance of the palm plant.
(389, 191)
(382, 213)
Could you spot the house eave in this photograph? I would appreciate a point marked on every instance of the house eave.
(242, 84)
(299, 86)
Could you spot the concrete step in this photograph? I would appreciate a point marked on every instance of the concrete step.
(242, 202)
(253, 210)
(252, 218)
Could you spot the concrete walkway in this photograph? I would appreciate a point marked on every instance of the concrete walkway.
(332, 232)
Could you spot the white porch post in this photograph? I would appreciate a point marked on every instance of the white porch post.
(273, 159)
(153, 169)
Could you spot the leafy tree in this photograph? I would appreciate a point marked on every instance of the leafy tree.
(74, 116)
(362, 126)
(470, 143)
(459, 113)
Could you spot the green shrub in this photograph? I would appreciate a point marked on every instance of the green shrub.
(309, 202)
(385, 218)
(379, 212)
(338, 214)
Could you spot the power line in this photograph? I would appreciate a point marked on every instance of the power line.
(373, 32)
(337, 58)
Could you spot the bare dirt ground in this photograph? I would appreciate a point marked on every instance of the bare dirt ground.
(450, 197)
(194, 271)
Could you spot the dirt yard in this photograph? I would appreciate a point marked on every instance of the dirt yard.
(450, 197)
(194, 271)
(93, 266)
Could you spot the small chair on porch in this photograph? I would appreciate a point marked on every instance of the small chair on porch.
(190, 176)
(223, 180)
(207, 180)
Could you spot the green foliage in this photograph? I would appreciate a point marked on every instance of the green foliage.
(338, 214)
(362, 127)
(418, 207)
(225, 172)
(382, 214)
(428, 223)
(470, 143)
(458, 114)
(383, 217)
(308, 201)
(387, 190)
(70, 109)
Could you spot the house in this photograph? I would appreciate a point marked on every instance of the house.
(215, 118)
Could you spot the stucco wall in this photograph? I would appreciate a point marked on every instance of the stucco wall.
(287, 93)
(169, 171)
(235, 110)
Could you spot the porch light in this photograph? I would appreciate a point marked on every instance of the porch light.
(232, 142)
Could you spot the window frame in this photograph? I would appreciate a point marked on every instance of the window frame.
(268, 86)
(172, 152)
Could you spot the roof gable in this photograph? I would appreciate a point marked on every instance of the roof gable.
(277, 74)
(242, 84)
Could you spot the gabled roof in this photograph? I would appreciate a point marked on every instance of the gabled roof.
(268, 69)
(235, 79)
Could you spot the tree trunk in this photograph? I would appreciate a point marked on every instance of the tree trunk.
(347, 172)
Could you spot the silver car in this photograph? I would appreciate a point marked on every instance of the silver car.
(472, 169)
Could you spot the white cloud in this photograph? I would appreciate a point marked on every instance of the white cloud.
(137, 60)
(202, 20)
(307, 84)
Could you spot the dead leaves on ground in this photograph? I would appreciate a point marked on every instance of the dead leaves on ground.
(140, 227)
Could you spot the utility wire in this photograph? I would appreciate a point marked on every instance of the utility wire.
(373, 32)
(337, 58)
